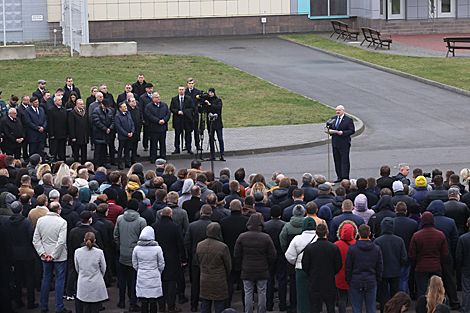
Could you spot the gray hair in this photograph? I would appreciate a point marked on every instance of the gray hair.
(155, 94)
(251, 177)
(54, 194)
(98, 94)
(341, 106)
(66, 180)
(54, 206)
(11, 110)
(307, 178)
(402, 166)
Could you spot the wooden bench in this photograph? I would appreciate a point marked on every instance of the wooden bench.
(451, 44)
(375, 38)
(343, 30)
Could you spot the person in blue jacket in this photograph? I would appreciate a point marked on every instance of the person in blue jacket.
(125, 130)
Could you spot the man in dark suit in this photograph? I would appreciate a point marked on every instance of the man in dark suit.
(341, 143)
(39, 93)
(13, 134)
(68, 89)
(182, 108)
(21, 110)
(125, 129)
(137, 117)
(36, 124)
(57, 127)
(193, 93)
(79, 131)
(145, 99)
(157, 116)
(123, 96)
(139, 86)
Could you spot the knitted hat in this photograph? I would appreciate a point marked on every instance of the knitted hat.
(133, 204)
(309, 224)
(16, 207)
(93, 185)
(138, 168)
(34, 159)
(298, 210)
(420, 181)
(397, 186)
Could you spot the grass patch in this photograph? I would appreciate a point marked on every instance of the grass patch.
(247, 100)
(450, 71)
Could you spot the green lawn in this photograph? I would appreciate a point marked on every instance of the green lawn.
(450, 71)
(248, 101)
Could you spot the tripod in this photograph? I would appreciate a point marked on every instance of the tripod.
(202, 126)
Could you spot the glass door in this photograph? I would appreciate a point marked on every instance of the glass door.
(393, 9)
(445, 8)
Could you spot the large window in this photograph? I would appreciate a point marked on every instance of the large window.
(328, 7)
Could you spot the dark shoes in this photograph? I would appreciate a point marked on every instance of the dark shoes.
(127, 166)
(184, 300)
(64, 311)
(190, 152)
(193, 309)
(32, 306)
(222, 159)
(177, 310)
(134, 308)
(176, 152)
(337, 181)
(146, 149)
(121, 305)
(120, 167)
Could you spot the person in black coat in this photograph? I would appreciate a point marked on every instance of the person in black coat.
(13, 134)
(69, 88)
(273, 228)
(21, 230)
(139, 86)
(361, 189)
(123, 96)
(404, 228)
(385, 181)
(231, 227)
(384, 208)
(394, 256)
(57, 129)
(21, 110)
(214, 108)
(310, 193)
(78, 128)
(234, 189)
(193, 93)
(182, 108)
(36, 124)
(103, 125)
(169, 237)
(156, 118)
(144, 99)
(456, 210)
(137, 118)
(125, 130)
(321, 261)
(341, 143)
(462, 256)
(6, 265)
(194, 204)
(39, 93)
(121, 193)
(439, 192)
(400, 195)
(68, 213)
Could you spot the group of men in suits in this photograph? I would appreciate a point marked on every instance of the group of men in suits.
(44, 116)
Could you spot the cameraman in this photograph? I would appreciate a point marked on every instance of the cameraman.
(214, 107)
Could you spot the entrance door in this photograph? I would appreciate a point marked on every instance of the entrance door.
(393, 9)
(443, 8)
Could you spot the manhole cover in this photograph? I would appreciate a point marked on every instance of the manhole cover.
(239, 48)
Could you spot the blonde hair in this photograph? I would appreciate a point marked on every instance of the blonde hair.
(75, 165)
(150, 174)
(64, 170)
(259, 187)
(42, 169)
(134, 178)
(169, 169)
(4, 172)
(18, 163)
(436, 293)
(465, 174)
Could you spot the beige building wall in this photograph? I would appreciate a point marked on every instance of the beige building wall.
(100, 10)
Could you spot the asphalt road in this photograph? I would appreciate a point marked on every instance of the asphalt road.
(406, 121)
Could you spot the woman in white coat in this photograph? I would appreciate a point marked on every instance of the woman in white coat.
(147, 259)
(91, 267)
(294, 256)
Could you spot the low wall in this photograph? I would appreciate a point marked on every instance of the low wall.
(102, 49)
(16, 52)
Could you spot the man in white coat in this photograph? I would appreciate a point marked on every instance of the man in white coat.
(50, 242)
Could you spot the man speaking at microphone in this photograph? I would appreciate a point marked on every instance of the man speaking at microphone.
(341, 143)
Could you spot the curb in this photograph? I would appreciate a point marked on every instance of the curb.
(387, 70)
(230, 153)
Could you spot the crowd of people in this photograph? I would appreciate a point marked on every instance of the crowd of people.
(385, 242)
(62, 117)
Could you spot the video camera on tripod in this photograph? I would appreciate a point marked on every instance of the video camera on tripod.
(201, 101)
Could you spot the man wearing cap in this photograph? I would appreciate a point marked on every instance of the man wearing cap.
(57, 122)
(39, 93)
(13, 132)
(69, 88)
(324, 196)
(157, 116)
(182, 108)
(145, 99)
(160, 167)
(36, 123)
(341, 143)
(21, 230)
(103, 124)
(214, 107)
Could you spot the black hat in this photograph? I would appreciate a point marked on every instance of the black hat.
(91, 207)
(259, 196)
(211, 90)
(149, 85)
(34, 159)
(106, 103)
(133, 204)
(137, 195)
(220, 196)
(276, 211)
(39, 190)
(86, 215)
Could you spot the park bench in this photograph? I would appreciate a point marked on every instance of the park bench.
(375, 38)
(451, 44)
(343, 30)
